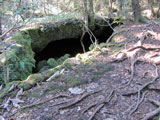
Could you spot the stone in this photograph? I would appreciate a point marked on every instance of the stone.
(76, 90)
(109, 119)
(40, 65)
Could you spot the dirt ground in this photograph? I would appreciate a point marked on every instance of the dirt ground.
(119, 85)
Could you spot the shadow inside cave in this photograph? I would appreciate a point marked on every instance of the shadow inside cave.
(59, 48)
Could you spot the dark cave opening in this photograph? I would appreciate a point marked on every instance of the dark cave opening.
(59, 48)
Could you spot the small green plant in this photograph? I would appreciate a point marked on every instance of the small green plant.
(53, 62)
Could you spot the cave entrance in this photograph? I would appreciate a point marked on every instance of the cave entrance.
(59, 48)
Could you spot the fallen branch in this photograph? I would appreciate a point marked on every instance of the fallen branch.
(78, 100)
(153, 113)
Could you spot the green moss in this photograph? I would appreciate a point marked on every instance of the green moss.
(52, 62)
(35, 93)
(41, 64)
(73, 81)
(85, 58)
(55, 87)
(20, 58)
(33, 79)
(67, 65)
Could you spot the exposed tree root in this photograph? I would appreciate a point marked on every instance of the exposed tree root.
(133, 62)
(144, 74)
(115, 33)
(153, 113)
(96, 110)
(61, 102)
(144, 48)
(81, 40)
(42, 102)
(119, 58)
(78, 100)
(156, 88)
(100, 105)
(144, 86)
(154, 102)
(139, 99)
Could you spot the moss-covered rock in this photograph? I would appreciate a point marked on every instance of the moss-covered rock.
(20, 58)
(52, 62)
(43, 34)
(33, 79)
(40, 65)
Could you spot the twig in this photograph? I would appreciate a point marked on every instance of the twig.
(78, 100)
(144, 74)
(42, 102)
(154, 102)
(96, 110)
(153, 113)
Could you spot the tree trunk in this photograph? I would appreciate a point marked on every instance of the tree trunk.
(137, 12)
(85, 12)
(0, 25)
(120, 4)
(91, 15)
(150, 2)
(75, 4)
(110, 6)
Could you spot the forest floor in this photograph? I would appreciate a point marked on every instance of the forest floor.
(119, 85)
